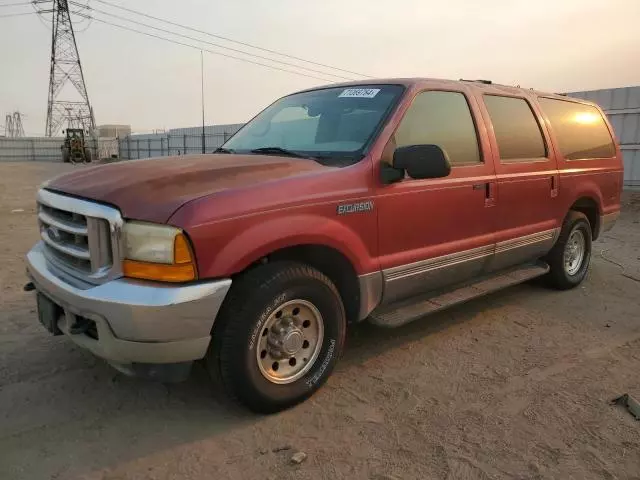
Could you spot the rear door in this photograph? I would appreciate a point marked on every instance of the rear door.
(437, 232)
(527, 205)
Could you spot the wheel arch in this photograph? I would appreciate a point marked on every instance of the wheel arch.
(332, 263)
(590, 207)
(333, 248)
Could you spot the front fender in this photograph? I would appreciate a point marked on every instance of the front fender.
(257, 240)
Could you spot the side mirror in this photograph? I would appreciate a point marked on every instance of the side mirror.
(422, 161)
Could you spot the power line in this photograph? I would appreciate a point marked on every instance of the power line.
(231, 40)
(36, 9)
(17, 14)
(164, 30)
(273, 67)
(2, 5)
(89, 22)
(35, 5)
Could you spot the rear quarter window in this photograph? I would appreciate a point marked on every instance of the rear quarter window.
(580, 130)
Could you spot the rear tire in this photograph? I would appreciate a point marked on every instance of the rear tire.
(570, 257)
(278, 336)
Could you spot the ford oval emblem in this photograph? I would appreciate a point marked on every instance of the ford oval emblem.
(54, 233)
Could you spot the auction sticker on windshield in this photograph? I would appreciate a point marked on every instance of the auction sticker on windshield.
(359, 93)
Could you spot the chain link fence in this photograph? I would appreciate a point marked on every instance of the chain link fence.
(31, 149)
(49, 149)
(141, 146)
(182, 141)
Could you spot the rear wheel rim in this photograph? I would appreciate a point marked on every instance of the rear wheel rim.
(574, 252)
(290, 341)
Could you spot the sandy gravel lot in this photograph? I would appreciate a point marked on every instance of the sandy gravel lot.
(515, 385)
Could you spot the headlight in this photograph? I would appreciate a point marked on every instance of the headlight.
(157, 252)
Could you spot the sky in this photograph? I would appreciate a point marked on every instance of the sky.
(550, 45)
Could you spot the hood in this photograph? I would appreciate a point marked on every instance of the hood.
(154, 189)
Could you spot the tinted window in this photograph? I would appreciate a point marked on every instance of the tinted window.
(516, 128)
(443, 119)
(580, 129)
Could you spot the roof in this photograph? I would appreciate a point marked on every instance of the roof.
(426, 82)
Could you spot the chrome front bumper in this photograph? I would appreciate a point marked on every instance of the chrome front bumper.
(137, 322)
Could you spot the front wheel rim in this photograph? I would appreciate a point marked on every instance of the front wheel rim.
(574, 252)
(290, 341)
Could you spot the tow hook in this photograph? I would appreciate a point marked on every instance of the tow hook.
(80, 326)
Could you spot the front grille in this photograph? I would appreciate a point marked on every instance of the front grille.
(77, 238)
(66, 237)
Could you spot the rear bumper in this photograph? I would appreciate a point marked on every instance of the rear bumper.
(137, 322)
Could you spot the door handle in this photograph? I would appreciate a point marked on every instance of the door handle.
(489, 192)
(554, 186)
(484, 186)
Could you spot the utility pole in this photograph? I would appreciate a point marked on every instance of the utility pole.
(8, 125)
(18, 130)
(13, 125)
(202, 96)
(66, 68)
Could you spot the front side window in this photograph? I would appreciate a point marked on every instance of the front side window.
(580, 129)
(329, 124)
(444, 119)
(516, 129)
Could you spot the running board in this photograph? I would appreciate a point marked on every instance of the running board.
(405, 311)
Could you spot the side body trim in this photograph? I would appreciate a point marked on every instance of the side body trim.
(522, 249)
(423, 276)
(419, 277)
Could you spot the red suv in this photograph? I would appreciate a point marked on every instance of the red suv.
(382, 201)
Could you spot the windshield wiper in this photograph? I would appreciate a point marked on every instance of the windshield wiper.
(223, 150)
(279, 151)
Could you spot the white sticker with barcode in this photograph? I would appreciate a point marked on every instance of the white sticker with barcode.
(359, 93)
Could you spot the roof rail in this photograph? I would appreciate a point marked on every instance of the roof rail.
(486, 82)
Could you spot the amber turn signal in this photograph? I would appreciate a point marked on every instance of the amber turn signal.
(183, 272)
(181, 250)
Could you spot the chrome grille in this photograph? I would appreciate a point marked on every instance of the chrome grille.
(80, 237)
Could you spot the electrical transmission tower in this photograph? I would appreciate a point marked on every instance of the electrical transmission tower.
(13, 125)
(62, 109)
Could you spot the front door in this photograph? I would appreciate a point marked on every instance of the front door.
(438, 232)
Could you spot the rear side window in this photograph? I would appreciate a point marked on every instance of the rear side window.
(443, 119)
(516, 128)
(580, 129)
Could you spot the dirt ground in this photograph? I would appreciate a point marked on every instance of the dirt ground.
(515, 385)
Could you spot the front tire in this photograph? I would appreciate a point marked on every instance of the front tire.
(278, 336)
(570, 257)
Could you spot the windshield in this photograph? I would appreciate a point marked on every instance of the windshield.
(332, 123)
